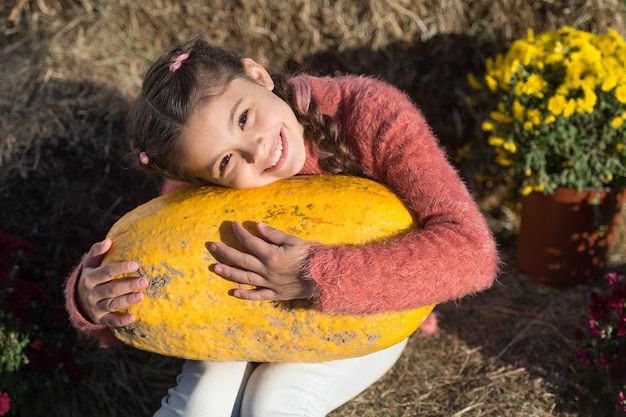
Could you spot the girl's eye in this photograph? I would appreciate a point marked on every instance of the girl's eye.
(224, 162)
(243, 118)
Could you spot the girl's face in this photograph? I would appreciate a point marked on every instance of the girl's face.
(245, 138)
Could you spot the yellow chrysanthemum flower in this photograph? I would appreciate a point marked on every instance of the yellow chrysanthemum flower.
(570, 108)
(503, 161)
(518, 111)
(620, 93)
(587, 103)
(489, 64)
(617, 122)
(536, 85)
(526, 190)
(491, 82)
(495, 141)
(473, 82)
(609, 83)
(487, 126)
(556, 89)
(538, 188)
(590, 82)
(556, 104)
(555, 56)
(533, 116)
(510, 147)
(529, 188)
(498, 117)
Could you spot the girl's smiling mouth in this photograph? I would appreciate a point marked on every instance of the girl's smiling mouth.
(278, 155)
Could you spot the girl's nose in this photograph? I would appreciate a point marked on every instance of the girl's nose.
(254, 150)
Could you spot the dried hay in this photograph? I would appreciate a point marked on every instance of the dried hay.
(70, 68)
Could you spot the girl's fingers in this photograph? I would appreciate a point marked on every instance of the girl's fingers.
(111, 297)
(112, 305)
(117, 320)
(257, 294)
(97, 250)
(121, 288)
(104, 274)
(110, 309)
(252, 243)
(239, 275)
(275, 236)
(234, 257)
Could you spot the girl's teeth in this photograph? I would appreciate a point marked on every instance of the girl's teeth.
(277, 155)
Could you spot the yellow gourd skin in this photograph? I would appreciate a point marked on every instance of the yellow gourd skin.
(187, 311)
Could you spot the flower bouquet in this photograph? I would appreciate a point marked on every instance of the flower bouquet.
(557, 129)
(560, 117)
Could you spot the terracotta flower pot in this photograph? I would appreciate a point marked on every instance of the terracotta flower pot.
(565, 237)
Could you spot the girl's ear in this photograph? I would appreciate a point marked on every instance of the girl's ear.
(258, 73)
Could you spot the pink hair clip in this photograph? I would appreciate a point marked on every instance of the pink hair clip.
(143, 158)
(178, 62)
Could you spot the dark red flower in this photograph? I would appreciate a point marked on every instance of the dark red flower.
(599, 307)
(614, 280)
(621, 403)
(621, 325)
(4, 403)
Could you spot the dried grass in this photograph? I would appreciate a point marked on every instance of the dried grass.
(69, 69)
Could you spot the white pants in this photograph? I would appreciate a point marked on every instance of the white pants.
(240, 389)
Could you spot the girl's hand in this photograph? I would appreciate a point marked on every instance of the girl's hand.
(99, 296)
(273, 263)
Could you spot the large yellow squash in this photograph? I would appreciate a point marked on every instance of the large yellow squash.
(188, 312)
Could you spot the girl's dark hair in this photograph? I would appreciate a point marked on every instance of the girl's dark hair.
(168, 97)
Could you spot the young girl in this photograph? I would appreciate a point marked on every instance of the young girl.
(207, 116)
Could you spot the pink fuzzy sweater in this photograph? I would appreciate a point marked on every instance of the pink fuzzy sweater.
(453, 253)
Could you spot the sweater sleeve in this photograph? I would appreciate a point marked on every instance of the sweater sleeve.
(451, 254)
